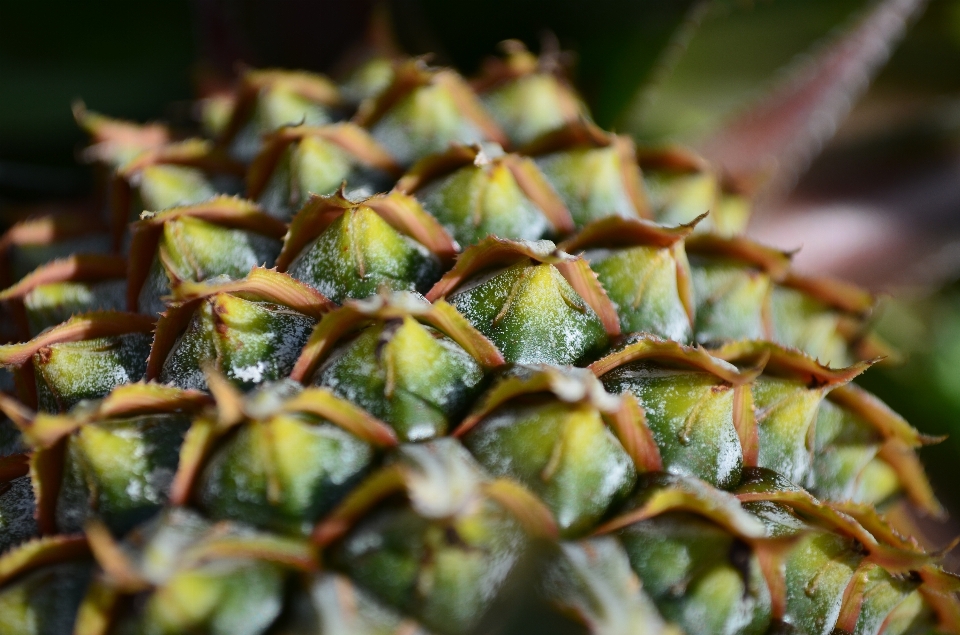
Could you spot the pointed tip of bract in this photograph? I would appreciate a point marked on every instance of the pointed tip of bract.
(120, 572)
(80, 114)
(230, 403)
(566, 383)
(788, 361)
(147, 397)
(21, 415)
(38, 552)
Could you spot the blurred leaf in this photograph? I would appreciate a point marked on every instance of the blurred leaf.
(788, 126)
(737, 53)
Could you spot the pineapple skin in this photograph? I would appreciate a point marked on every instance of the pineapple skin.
(466, 363)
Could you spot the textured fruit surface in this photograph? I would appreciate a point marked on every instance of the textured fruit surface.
(363, 401)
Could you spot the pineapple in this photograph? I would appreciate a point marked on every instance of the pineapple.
(300, 160)
(53, 292)
(463, 363)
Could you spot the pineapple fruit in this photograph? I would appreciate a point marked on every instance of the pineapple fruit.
(458, 361)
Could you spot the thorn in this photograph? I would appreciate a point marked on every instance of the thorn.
(696, 221)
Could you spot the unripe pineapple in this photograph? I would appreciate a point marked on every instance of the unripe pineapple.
(538, 382)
